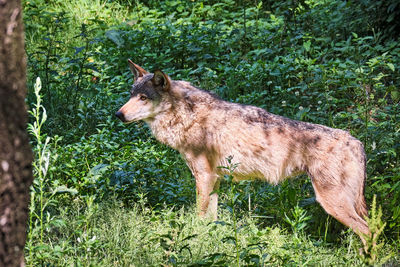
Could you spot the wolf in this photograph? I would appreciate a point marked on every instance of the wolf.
(207, 130)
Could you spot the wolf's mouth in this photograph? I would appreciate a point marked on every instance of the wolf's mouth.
(128, 122)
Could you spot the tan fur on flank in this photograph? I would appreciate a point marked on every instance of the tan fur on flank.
(207, 130)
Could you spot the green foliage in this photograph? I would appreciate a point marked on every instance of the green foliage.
(383, 14)
(376, 226)
(232, 199)
(43, 194)
(319, 61)
(298, 219)
(174, 244)
(113, 234)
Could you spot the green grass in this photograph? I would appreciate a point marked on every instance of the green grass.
(115, 235)
(83, 11)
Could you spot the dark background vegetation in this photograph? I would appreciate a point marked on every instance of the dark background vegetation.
(329, 62)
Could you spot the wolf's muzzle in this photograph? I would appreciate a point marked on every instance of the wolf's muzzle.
(120, 116)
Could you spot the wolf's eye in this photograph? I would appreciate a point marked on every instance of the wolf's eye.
(143, 97)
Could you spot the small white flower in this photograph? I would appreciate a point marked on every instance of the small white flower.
(300, 108)
(373, 145)
(319, 102)
(284, 103)
(79, 240)
(297, 93)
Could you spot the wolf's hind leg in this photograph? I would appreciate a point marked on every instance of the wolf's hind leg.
(343, 203)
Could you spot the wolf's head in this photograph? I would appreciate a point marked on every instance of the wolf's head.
(148, 93)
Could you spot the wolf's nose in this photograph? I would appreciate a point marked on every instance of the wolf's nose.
(120, 115)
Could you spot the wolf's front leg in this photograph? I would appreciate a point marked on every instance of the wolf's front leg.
(207, 198)
(206, 183)
(213, 205)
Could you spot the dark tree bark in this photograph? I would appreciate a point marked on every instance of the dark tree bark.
(15, 152)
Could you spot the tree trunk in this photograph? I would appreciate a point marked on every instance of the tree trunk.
(15, 152)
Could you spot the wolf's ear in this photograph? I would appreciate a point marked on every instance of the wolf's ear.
(161, 79)
(137, 71)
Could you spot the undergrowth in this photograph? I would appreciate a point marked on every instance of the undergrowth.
(117, 235)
